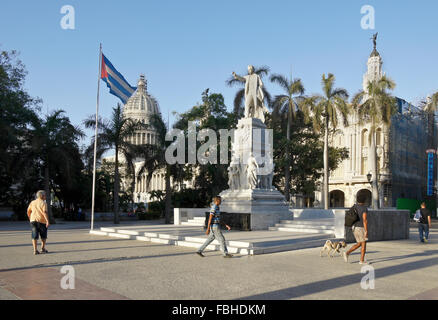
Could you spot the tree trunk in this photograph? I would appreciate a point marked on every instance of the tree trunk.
(326, 197)
(168, 198)
(374, 181)
(48, 194)
(116, 189)
(287, 167)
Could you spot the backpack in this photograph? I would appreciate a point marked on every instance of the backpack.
(417, 216)
(351, 217)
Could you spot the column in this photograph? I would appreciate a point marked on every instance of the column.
(358, 150)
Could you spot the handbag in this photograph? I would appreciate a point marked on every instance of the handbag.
(417, 216)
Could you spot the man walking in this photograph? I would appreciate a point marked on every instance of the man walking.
(214, 227)
(425, 223)
(39, 220)
(360, 230)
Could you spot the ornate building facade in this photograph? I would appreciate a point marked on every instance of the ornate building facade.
(401, 152)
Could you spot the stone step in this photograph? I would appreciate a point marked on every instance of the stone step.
(162, 241)
(298, 230)
(199, 241)
(194, 224)
(170, 237)
(190, 244)
(121, 236)
(215, 247)
(151, 234)
(129, 232)
(234, 247)
(288, 247)
(304, 226)
(202, 219)
(330, 222)
(98, 233)
(140, 238)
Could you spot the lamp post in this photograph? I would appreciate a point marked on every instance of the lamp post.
(369, 176)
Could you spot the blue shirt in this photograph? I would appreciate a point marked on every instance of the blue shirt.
(216, 214)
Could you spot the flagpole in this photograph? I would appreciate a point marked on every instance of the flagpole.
(95, 139)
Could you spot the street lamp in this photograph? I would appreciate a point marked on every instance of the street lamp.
(369, 176)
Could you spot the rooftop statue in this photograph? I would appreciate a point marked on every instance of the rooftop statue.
(375, 40)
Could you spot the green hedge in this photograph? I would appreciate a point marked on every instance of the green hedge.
(413, 205)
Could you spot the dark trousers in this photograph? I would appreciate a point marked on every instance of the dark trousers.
(423, 228)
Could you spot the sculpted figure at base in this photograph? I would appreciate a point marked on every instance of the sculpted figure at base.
(234, 176)
(254, 106)
(251, 172)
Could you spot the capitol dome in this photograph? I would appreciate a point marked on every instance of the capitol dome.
(140, 107)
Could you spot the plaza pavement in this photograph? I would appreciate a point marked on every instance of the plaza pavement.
(108, 268)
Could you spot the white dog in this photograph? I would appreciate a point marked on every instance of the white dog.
(334, 247)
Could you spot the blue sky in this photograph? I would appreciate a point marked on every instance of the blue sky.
(184, 47)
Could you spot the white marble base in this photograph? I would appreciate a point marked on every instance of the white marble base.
(267, 207)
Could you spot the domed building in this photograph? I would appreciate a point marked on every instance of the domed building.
(140, 107)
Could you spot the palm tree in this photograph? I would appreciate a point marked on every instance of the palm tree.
(52, 140)
(239, 106)
(375, 106)
(285, 106)
(431, 104)
(325, 110)
(153, 155)
(115, 134)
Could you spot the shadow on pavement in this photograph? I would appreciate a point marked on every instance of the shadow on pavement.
(325, 285)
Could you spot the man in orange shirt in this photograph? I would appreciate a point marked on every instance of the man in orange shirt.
(39, 220)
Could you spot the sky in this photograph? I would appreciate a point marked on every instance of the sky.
(185, 47)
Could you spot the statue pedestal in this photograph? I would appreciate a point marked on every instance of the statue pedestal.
(265, 204)
(266, 207)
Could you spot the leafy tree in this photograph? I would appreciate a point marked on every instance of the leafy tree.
(285, 106)
(114, 134)
(18, 174)
(53, 142)
(153, 157)
(305, 147)
(325, 111)
(209, 179)
(375, 106)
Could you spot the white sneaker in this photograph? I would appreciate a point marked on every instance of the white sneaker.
(363, 262)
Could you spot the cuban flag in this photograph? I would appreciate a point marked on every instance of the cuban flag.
(115, 81)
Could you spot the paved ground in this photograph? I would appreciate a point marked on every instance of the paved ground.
(107, 268)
